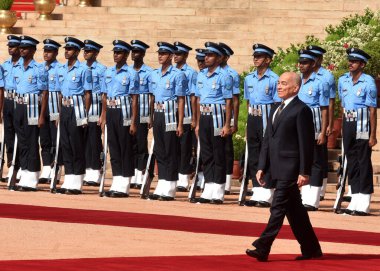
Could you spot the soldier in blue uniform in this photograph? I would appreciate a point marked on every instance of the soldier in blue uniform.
(169, 87)
(31, 85)
(93, 132)
(214, 93)
(143, 113)
(9, 94)
(260, 91)
(121, 86)
(314, 93)
(74, 81)
(48, 132)
(200, 57)
(325, 75)
(358, 94)
(185, 168)
(228, 52)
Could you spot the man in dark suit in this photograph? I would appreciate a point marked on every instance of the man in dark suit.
(287, 153)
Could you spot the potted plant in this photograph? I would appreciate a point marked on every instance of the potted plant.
(373, 66)
(8, 18)
(44, 8)
(239, 149)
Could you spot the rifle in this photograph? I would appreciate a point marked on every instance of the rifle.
(244, 181)
(145, 188)
(104, 167)
(53, 182)
(193, 188)
(2, 152)
(340, 187)
(12, 172)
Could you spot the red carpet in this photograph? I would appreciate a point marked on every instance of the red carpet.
(177, 223)
(330, 262)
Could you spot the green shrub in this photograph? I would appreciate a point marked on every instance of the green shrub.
(6, 4)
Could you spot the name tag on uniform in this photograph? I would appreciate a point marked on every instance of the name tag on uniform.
(30, 79)
(74, 77)
(141, 81)
(213, 86)
(124, 81)
(267, 90)
(167, 84)
(310, 91)
(359, 92)
(52, 78)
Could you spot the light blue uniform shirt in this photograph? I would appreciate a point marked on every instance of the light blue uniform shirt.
(75, 81)
(168, 86)
(8, 73)
(120, 83)
(2, 84)
(314, 92)
(235, 79)
(325, 75)
(191, 76)
(261, 90)
(361, 94)
(97, 71)
(30, 80)
(214, 88)
(52, 74)
(144, 78)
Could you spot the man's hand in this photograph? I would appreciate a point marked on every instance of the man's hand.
(225, 131)
(372, 141)
(197, 131)
(234, 129)
(102, 121)
(150, 124)
(133, 128)
(179, 130)
(329, 130)
(260, 177)
(41, 121)
(193, 124)
(321, 139)
(302, 180)
(56, 123)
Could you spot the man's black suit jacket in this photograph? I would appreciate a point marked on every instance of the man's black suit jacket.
(288, 145)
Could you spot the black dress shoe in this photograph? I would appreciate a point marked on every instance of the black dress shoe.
(315, 255)
(227, 192)
(116, 194)
(346, 198)
(262, 204)
(138, 186)
(200, 200)
(249, 193)
(4, 180)
(216, 201)
(359, 213)
(166, 198)
(256, 254)
(24, 189)
(344, 211)
(91, 183)
(250, 203)
(132, 186)
(154, 197)
(181, 189)
(43, 180)
(61, 190)
(321, 198)
(310, 208)
(73, 192)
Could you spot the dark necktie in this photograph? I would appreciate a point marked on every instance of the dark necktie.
(279, 110)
